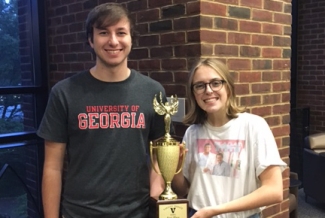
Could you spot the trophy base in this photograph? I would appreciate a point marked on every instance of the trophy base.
(177, 208)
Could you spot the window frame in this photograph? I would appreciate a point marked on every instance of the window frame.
(40, 90)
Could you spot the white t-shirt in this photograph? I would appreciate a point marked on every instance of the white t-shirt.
(248, 147)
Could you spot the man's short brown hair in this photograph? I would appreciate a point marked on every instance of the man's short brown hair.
(106, 15)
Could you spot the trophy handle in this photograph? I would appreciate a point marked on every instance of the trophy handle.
(182, 160)
(151, 160)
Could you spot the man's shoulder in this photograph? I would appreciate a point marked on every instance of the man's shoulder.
(70, 81)
(144, 78)
(72, 77)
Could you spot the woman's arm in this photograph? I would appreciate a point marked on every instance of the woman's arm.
(270, 192)
(180, 185)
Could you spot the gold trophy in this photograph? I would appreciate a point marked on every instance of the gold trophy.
(167, 152)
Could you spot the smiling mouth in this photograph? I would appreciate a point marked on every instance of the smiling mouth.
(211, 100)
(113, 51)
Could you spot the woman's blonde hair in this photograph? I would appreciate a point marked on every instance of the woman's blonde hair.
(195, 114)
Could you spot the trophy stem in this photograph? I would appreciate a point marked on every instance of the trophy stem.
(168, 193)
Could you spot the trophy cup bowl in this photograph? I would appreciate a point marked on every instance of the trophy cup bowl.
(167, 153)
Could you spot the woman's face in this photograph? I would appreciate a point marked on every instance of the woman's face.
(211, 100)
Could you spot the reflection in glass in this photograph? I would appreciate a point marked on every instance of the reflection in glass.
(16, 65)
(10, 66)
(16, 113)
(18, 178)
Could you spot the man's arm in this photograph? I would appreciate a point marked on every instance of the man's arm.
(157, 184)
(52, 178)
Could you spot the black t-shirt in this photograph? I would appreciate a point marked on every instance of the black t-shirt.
(107, 128)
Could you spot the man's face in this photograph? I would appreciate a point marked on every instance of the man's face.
(219, 158)
(112, 44)
(207, 149)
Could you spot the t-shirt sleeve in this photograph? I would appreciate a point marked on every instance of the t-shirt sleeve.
(53, 126)
(190, 143)
(267, 151)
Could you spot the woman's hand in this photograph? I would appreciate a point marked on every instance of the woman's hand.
(182, 153)
(183, 149)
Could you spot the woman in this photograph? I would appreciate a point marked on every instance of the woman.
(244, 139)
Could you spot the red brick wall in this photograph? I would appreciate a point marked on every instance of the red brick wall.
(311, 61)
(251, 36)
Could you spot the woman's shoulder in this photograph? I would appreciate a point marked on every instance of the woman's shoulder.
(191, 133)
(252, 121)
(250, 117)
(193, 129)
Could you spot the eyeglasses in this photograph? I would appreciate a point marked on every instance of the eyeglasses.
(215, 85)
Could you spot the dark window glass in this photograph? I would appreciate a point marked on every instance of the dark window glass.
(18, 172)
(9, 47)
(23, 97)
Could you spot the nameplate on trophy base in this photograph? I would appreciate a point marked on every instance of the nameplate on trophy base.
(177, 208)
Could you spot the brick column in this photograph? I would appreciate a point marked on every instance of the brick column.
(251, 37)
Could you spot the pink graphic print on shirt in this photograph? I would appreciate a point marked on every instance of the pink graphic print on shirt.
(222, 158)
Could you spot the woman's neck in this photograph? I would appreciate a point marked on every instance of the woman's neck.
(217, 120)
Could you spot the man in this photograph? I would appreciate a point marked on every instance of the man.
(221, 168)
(207, 159)
(102, 120)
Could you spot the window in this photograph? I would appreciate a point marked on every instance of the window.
(23, 97)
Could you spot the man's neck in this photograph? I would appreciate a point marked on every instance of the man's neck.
(112, 74)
